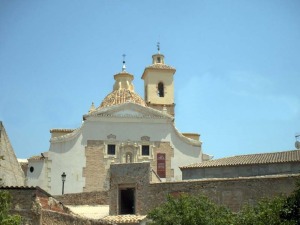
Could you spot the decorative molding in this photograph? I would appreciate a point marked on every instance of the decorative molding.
(137, 111)
(66, 137)
(111, 136)
(185, 139)
(145, 138)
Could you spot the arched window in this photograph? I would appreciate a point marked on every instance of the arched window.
(161, 92)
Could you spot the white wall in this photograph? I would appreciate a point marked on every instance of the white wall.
(68, 154)
(38, 176)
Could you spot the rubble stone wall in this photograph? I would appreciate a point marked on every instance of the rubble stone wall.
(231, 192)
(85, 198)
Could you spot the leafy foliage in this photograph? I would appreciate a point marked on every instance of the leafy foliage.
(291, 209)
(190, 210)
(265, 212)
(5, 218)
(199, 210)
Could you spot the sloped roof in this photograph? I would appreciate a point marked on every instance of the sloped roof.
(122, 96)
(124, 219)
(90, 211)
(160, 66)
(264, 158)
(10, 172)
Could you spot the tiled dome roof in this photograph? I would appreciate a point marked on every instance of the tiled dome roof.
(122, 96)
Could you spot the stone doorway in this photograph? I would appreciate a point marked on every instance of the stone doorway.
(127, 201)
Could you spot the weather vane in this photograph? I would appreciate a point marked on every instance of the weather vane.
(158, 46)
(124, 66)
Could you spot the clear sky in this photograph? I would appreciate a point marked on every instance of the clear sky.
(238, 66)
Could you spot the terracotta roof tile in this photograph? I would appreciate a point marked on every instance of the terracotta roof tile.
(160, 66)
(124, 218)
(264, 158)
(62, 130)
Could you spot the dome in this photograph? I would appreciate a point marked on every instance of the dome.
(123, 91)
(122, 96)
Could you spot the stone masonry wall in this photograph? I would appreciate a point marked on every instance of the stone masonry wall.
(11, 173)
(134, 175)
(94, 172)
(24, 204)
(85, 198)
(233, 193)
(164, 147)
(37, 207)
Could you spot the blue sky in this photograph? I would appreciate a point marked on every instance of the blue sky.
(238, 67)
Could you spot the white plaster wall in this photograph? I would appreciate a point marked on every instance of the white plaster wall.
(69, 155)
(38, 176)
(134, 129)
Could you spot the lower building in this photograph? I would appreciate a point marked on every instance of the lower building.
(275, 163)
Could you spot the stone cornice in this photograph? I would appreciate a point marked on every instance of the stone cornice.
(185, 139)
(146, 112)
(61, 130)
(66, 137)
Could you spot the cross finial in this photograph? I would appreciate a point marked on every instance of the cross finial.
(124, 66)
(158, 46)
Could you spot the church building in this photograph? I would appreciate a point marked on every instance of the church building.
(124, 128)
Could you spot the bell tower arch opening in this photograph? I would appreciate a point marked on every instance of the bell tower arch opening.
(160, 87)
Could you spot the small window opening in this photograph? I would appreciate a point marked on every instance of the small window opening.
(145, 150)
(111, 149)
(161, 89)
(31, 169)
(158, 60)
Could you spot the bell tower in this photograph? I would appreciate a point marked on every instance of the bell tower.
(159, 84)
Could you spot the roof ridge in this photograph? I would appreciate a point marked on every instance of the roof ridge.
(250, 159)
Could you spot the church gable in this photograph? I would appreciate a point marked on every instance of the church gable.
(128, 110)
(128, 113)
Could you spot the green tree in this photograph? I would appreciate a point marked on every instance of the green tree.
(190, 210)
(291, 208)
(5, 204)
(265, 212)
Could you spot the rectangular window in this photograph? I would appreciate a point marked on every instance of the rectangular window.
(111, 149)
(145, 150)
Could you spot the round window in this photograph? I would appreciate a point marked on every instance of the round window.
(31, 169)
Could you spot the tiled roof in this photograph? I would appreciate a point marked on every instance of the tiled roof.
(90, 211)
(121, 96)
(61, 130)
(124, 219)
(36, 157)
(37, 188)
(264, 158)
(160, 66)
